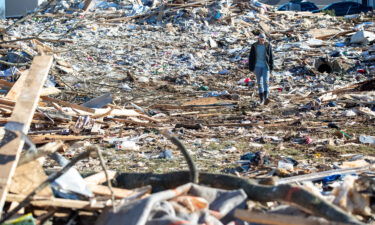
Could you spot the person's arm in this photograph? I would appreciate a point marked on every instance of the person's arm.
(271, 57)
(252, 58)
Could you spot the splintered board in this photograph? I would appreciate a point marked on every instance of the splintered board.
(27, 177)
(22, 114)
(208, 101)
(324, 34)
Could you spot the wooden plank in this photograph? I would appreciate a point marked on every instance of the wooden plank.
(100, 178)
(316, 33)
(185, 113)
(16, 89)
(172, 107)
(46, 216)
(5, 120)
(208, 101)
(132, 122)
(88, 4)
(96, 128)
(265, 28)
(5, 111)
(209, 115)
(7, 107)
(324, 34)
(279, 219)
(50, 91)
(325, 37)
(229, 125)
(103, 190)
(23, 114)
(41, 139)
(68, 104)
(27, 177)
(44, 47)
(7, 102)
(60, 212)
(5, 83)
(58, 202)
(46, 149)
(16, 46)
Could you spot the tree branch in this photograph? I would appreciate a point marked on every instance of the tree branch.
(289, 194)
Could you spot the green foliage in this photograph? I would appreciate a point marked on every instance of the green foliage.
(329, 12)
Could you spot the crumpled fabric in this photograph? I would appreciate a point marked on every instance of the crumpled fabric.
(164, 208)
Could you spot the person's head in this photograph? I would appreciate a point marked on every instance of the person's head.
(262, 38)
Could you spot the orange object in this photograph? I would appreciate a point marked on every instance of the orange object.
(192, 203)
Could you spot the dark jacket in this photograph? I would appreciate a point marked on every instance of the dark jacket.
(253, 56)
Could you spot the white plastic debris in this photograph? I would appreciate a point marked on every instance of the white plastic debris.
(285, 165)
(349, 113)
(213, 43)
(363, 25)
(365, 139)
(314, 42)
(126, 87)
(71, 180)
(255, 145)
(143, 80)
(126, 145)
(362, 37)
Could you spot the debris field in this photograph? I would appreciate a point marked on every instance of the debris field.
(145, 112)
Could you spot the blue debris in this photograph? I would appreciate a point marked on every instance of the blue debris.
(331, 178)
(215, 94)
(340, 44)
(15, 57)
(217, 15)
(224, 72)
(167, 154)
(257, 158)
(248, 156)
(332, 104)
(9, 72)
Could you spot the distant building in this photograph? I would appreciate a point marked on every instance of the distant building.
(17, 8)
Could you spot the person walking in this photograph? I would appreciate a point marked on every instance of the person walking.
(261, 63)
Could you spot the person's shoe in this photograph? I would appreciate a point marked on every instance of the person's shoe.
(261, 98)
(265, 96)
